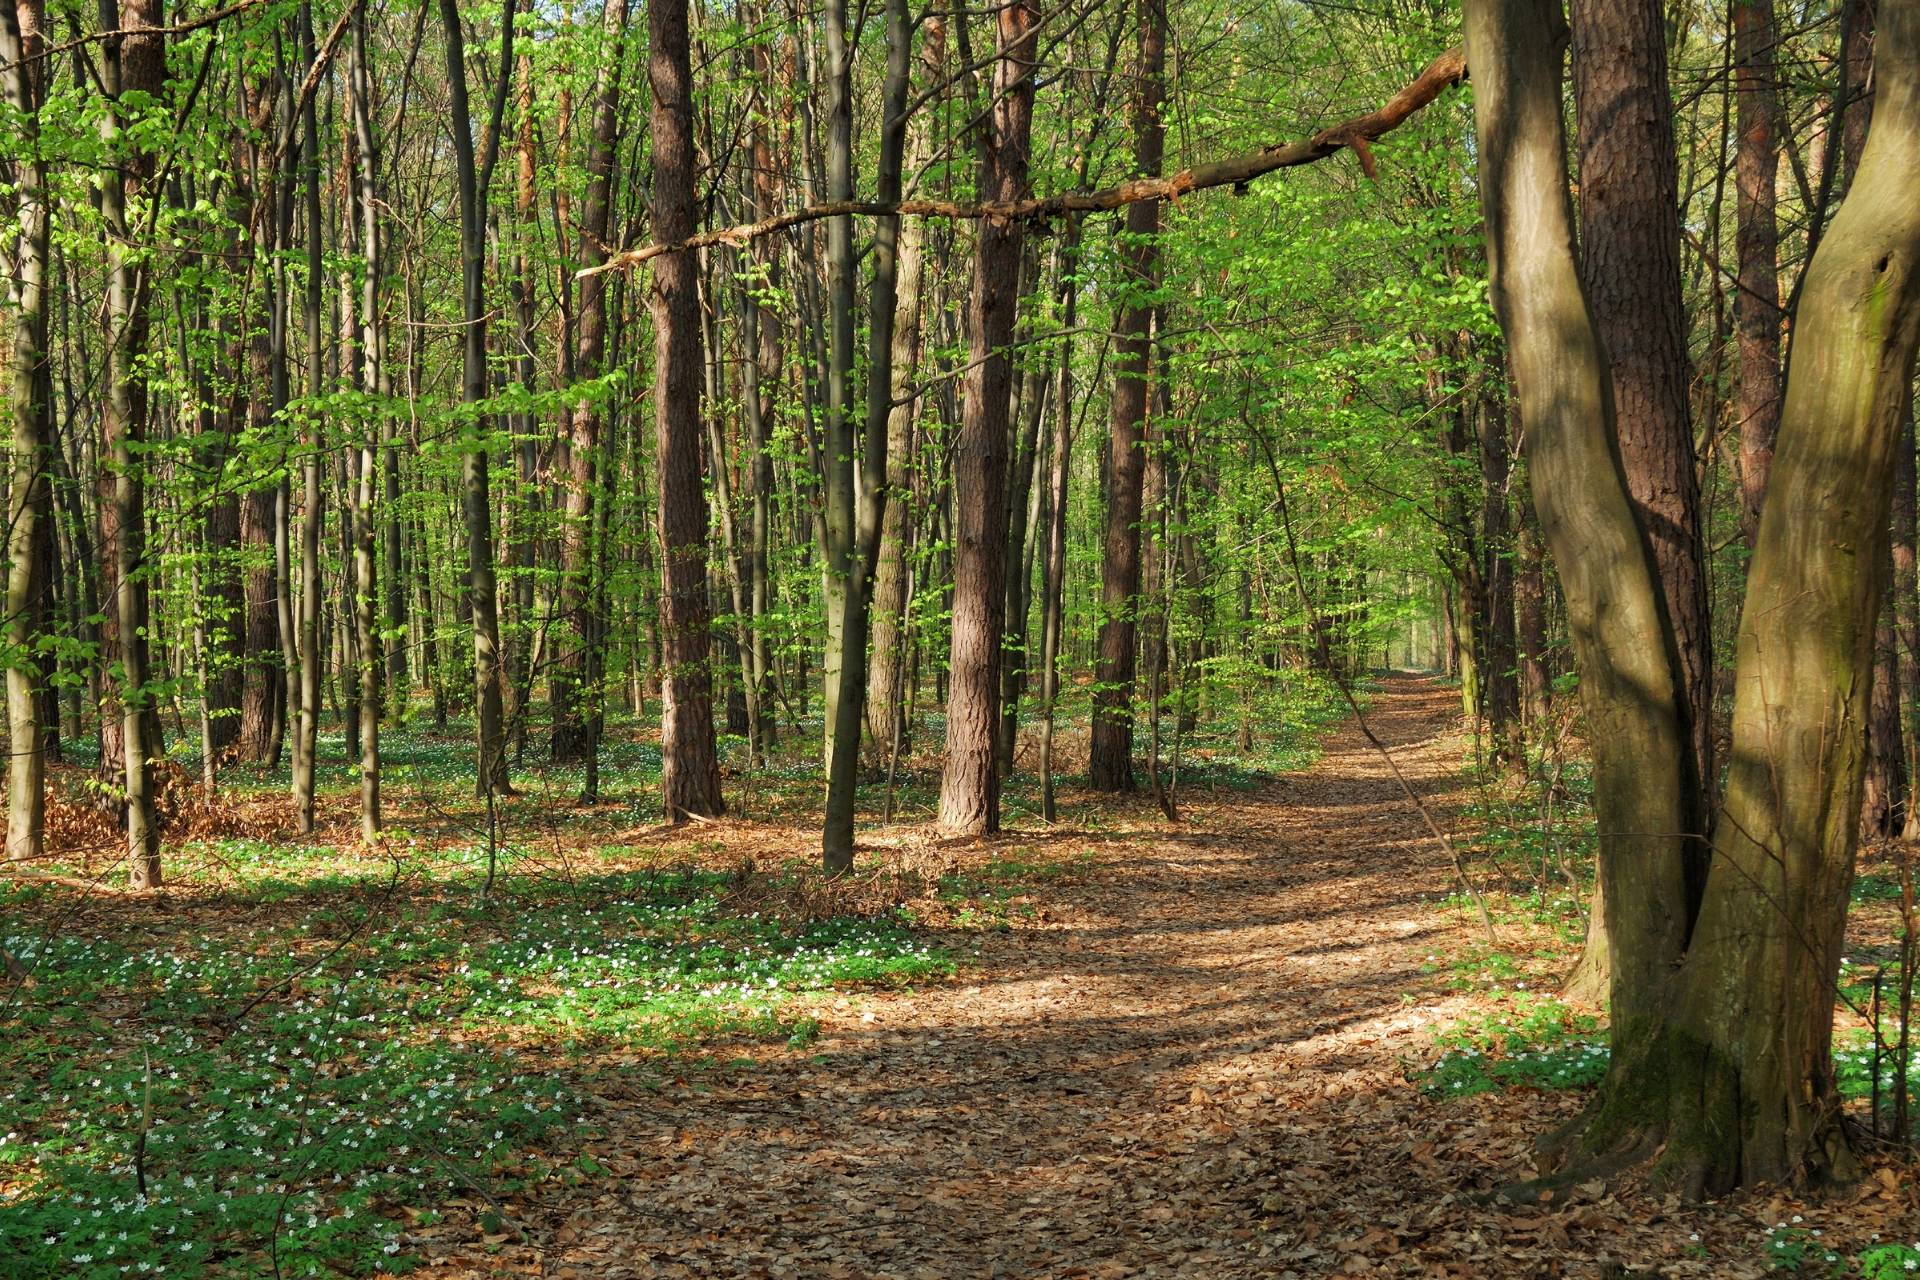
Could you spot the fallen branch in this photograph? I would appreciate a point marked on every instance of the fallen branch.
(1445, 71)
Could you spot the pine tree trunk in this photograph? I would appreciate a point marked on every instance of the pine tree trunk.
(1756, 241)
(1110, 763)
(690, 767)
(970, 786)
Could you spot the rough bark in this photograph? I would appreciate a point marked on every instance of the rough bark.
(1643, 800)
(1756, 245)
(970, 785)
(1110, 762)
(1630, 267)
(690, 767)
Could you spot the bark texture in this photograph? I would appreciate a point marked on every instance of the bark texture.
(970, 786)
(690, 766)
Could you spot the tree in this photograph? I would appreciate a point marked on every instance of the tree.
(1110, 764)
(474, 178)
(690, 767)
(573, 719)
(970, 785)
(1757, 244)
(136, 71)
(1630, 270)
(21, 43)
(1723, 1013)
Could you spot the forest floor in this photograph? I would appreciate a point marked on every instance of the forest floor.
(1269, 1039)
(1193, 1058)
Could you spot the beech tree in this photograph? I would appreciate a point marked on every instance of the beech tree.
(1727, 1069)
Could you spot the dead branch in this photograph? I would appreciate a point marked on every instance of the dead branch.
(1449, 69)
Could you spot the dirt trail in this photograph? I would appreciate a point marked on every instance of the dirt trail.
(1195, 1066)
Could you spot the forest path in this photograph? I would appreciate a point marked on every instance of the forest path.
(1193, 1065)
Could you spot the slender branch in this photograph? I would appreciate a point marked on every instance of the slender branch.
(1449, 69)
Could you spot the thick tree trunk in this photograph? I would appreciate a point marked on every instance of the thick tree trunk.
(690, 767)
(970, 786)
(1727, 1063)
(1756, 240)
(1110, 763)
(1643, 797)
(1752, 1075)
(1630, 266)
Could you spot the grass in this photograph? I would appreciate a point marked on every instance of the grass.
(313, 1048)
(275, 1099)
(1537, 1042)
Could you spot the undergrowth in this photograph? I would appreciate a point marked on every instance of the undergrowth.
(273, 1098)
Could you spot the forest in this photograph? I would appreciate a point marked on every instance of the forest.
(1071, 638)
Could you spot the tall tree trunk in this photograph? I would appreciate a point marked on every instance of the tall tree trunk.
(307, 726)
(1110, 763)
(1753, 1070)
(29, 526)
(690, 766)
(137, 65)
(1630, 266)
(1726, 1064)
(890, 573)
(364, 461)
(1756, 243)
(263, 694)
(970, 786)
(856, 506)
(1643, 797)
(474, 177)
(574, 696)
(1053, 587)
